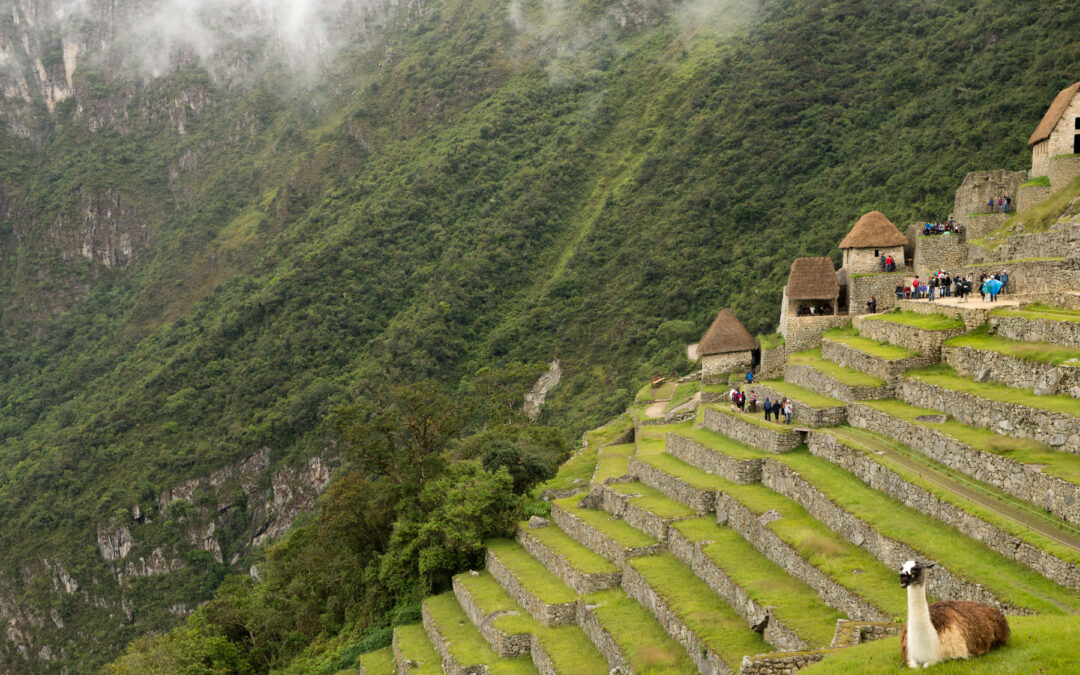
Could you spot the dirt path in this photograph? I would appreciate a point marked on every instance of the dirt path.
(1030, 519)
(656, 410)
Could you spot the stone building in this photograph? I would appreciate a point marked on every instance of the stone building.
(725, 348)
(811, 283)
(873, 236)
(1059, 131)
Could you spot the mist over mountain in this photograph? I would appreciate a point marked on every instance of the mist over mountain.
(224, 226)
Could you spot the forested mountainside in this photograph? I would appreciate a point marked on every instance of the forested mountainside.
(216, 260)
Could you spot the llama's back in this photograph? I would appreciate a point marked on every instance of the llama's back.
(968, 628)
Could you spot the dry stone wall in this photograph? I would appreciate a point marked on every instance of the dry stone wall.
(715, 367)
(882, 287)
(980, 186)
(850, 357)
(972, 317)
(803, 414)
(1025, 481)
(598, 635)
(877, 476)
(702, 501)
(582, 582)
(1030, 196)
(983, 224)
(1055, 242)
(804, 332)
(892, 553)
(1032, 276)
(939, 252)
(1057, 430)
(746, 431)
(1065, 333)
(772, 362)
(925, 342)
(708, 460)
(506, 645)
(546, 613)
(815, 380)
(1042, 378)
(619, 506)
(593, 539)
(450, 666)
(1064, 168)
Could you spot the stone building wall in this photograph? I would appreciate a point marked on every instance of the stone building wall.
(868, 260)
(939, 252)
(1040, 158)
(745, 431)
(715, 367)
(877, 476)
(772, 361)
(1030, 196)
(848, 356)
(1041, 378)
(1061, 138)
(979, 186)
(983, 224)
(804, 332)
(1065, 333)
(803, 414)
(881, 286)
(1024, 481)
(925, 342)
(1063, 170)
(1054, 243)
(690, 451)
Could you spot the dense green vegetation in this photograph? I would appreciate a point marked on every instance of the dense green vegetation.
(457, 203)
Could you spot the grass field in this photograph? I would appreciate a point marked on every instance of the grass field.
(917, 320)
(647, 648)
(648, 393)
(944, 376)
(611, 462)
(1040, 311)
(622, 533)
(848, 376)
(1041, 352)
(803, 395)
(580, 557)
(379, 662)
(530, 572)
(883, 350)
(653, 501)
(414, 644)
(465, 643)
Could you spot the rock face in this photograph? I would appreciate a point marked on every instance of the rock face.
(534, 399)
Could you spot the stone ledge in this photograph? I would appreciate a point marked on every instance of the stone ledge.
(506, 645)
(619, 506)
(804, 414)
(813, 379)
(973, 317)
(1056, 430)
(746, 431)
(546, 613)
(712, 461)
(450, 665)
(848, 634)
(594, 539)
(639, 589)
(1066, 333)
(1025, 481)
(745, 522)
(601, 638)
(852, 357)
(1042, 378)
(775, 633)
(891, 552)
(925, 342)
(877, 476)
(702, 501)
(582, 582)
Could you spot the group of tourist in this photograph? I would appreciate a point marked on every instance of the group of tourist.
(820, 309)
(1002, 205)
(950, 226)
(992, 284)
(888, 264)
(942, 285)
(740, 402)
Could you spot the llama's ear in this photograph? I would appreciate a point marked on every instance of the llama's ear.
(928, 565)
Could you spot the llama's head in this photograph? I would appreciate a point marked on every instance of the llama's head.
(913, 573)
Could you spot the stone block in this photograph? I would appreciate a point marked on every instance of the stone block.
(709, 460)
(735, 425)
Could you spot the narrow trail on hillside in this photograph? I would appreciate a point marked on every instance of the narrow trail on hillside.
(1028, 518)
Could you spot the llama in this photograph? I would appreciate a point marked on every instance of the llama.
(955, 629)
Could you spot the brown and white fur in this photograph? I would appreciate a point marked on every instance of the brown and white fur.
(955, 629)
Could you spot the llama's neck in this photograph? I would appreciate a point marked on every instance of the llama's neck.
(922, 638)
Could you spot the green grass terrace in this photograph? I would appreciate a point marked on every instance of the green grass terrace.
(883, 350)
(917, 320)
(1038, 352)
(842, 374)
(945, 377)
(1041, 311)
(803, 395)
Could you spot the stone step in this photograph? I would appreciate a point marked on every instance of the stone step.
(378, 662)
(678, 480)
(629, 636)
(715, 637)
(894, 533)
(599, 532)
(1038, 323)
(829, 379)
(868, 356)
(643, 507)
(1053, 420)
(547, 599)
(786, 611)
(413, 652)
(1003, 523)
(752, 429)
(575, 565)
(1040, 367)
(511, 632)
(1021, 467)
(921, 333)
(460, 645)
(809, 408)
(716, 454)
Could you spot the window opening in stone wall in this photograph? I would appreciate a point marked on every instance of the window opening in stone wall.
(876, 253)
(1077, 123)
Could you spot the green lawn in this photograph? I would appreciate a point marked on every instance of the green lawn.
(653, 501)
(380, 662)
(1038, 310)
(530, 572)
(803, 395)
(648, 394)
(465, 643)
(414, 644)
(580, 557)
(918, 320)
(1039, 644)
(621, 532)
(642, 641)
(848, 376)
(1005, 578)
(611, 462)
(713, 621)
(793, 602)
(1042, 352)
(723, 444)
(944, 376)
(882, 350)
(683, 393)
(1022, 450)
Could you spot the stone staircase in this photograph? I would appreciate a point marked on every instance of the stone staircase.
(727, 544)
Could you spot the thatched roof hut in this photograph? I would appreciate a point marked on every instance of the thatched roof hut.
(726, 334)
(1053, 114)
(873, 230)
(812, 279)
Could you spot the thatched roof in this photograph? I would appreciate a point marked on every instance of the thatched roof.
(812, 279)
(873, 230)
(1054, 113)
(726, 334)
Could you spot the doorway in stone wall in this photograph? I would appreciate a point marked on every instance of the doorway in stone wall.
(1076, 144)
